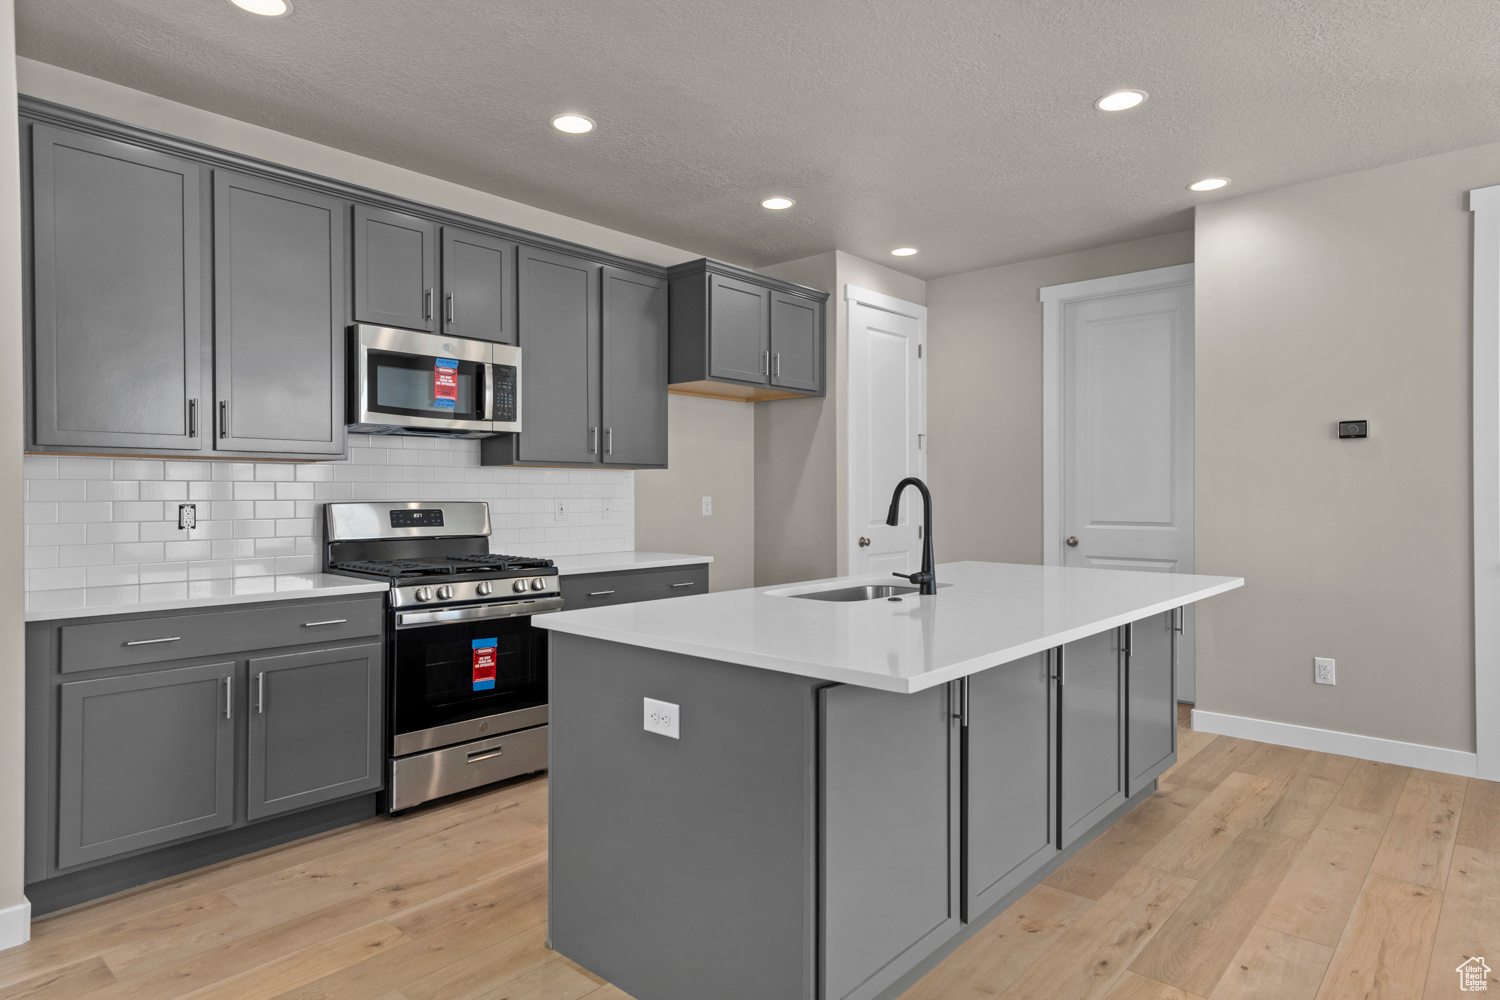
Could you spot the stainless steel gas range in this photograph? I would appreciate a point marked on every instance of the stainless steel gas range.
(466, 672)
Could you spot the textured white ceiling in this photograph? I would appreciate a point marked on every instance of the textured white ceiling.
(964, 129)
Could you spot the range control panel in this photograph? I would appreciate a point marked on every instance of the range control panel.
(418, 518)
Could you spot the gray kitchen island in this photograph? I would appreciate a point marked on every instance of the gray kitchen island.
(815, 792)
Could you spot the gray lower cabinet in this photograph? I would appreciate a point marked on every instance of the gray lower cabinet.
(479, 286)
(634, 376)
(1010, 770)
(1151, 700)
(118, 278)
(889, 835)
(144, 759)
(278, 318)
(1091, 693)
(314, 727)
(395, 268)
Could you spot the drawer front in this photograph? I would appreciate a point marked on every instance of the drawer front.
(597, 590)
(173, 637)
(426, 776)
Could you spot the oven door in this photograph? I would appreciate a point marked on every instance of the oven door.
(464, 679)
(407, 379)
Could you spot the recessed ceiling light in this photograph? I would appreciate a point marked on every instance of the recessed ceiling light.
(266, 8)
(903, 251)
(777, 203)
(575, 124)
(1208, 184)
(1121, 100)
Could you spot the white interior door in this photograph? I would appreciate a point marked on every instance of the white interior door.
(887, 422)
(1125, 448)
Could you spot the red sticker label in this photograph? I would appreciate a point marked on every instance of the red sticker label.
(445, 383)
(484, 666)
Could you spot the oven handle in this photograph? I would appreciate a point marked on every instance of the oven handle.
(487, 373)
(512, 609)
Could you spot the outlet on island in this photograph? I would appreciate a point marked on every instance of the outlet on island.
(662, 718)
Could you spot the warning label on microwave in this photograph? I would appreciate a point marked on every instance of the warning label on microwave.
(445, 383)
(484, 664)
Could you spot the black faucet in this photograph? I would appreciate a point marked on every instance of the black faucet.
(926, 580)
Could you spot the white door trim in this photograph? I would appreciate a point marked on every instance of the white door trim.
(1485, 204)
(1053, 298)
(853, 293)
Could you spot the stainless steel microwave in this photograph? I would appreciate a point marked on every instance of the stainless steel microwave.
(405, 382)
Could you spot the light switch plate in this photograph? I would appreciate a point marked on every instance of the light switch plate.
(560, 509)
(662, 718)
(708, 506)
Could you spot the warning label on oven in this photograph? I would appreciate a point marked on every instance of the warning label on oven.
(484, 664)
(445, 383)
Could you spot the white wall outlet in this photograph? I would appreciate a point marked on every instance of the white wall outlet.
(559, 509)
(1322, 670)
(662, 718)
(708, 506)
(607, 509)
(187, 515)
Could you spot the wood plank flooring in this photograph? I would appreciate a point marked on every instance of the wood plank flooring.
(1255, 872)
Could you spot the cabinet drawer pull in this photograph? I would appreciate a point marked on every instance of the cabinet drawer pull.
(152, 642)
(600, 593)
(260, 692)
(688, 584)
(479, 755)
(331, 621)
(228, 697)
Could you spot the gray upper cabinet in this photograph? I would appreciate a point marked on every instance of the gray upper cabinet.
(118, 736)
(889, 843)
(278, 318)
(314, 728)
(479, 286)
(634, 375)
(1151, 700)
(1010, 747)
(796, 342)
(118, 278)
(395, 269)
(737, 334)
(739, 330)
(1091, 691)
(559, 327)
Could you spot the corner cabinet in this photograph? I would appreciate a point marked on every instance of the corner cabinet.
(594, 381)
(741, 335)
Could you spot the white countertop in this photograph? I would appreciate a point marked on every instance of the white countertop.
(990, 613)
(618, 562)
(210, 593)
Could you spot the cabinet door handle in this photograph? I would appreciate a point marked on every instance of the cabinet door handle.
(765, 363)
(962, 715)
(223, 418)
(260, 692)
(427, 305)
(448, 307)
(192, 418)
(594, 440)
(1062, 667)
(609, 440)
(777, 364)
(229, 696)
(152, 642)
(688, 584)
(331, 621)
(600, 593)
(1179, 620)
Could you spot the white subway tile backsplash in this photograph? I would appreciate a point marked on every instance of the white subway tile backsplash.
(110, 525)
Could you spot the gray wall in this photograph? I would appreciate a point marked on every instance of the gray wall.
(801, 479)
(1342, 298)
(710, 453)
(984, 394)
(12, 627)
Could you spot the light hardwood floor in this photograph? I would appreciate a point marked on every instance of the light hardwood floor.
(1255, 871)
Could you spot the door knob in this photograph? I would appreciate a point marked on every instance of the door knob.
(1073, 541)
(864, 543)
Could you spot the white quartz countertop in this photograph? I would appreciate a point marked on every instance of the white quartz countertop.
(986, 615)
(618, 562)
(210, 593)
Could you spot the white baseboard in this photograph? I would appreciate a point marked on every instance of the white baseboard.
(1331, 741)
(15, 925)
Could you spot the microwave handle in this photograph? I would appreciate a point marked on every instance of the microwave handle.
(487, 375)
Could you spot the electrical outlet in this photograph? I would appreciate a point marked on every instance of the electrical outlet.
(662, 718)
(708, 506)
(559, 509)
(187, 515)
(1322, 670)
(607, 509)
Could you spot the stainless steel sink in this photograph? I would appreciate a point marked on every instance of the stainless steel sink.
(869, 592)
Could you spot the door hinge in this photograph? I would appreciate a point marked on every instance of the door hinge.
(921, 440)
(919, 350)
